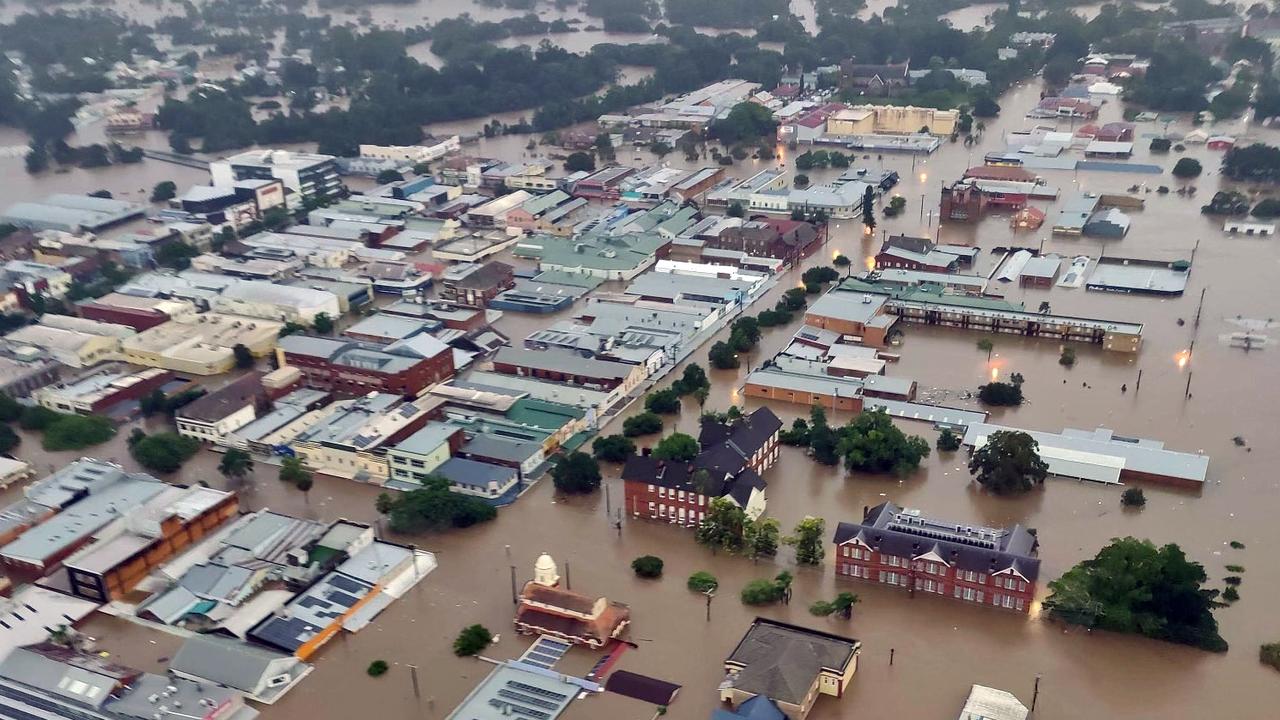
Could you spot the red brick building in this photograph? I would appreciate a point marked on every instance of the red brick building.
(729, 466)
(474, 285)
(787, 240)
(903, 548)
(350, 369)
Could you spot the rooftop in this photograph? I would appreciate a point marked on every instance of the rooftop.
(782, 661)
(515, 689)
(220, 403)
(848, 306)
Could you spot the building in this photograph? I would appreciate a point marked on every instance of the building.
(848, 313)
(350, 438)
(883, 79)
(240, 204)
(24, 369)
(36, 278)
(603, 184)
(545, 608)
(928, 259)
(790, 665)
(73, 348)
(1102, 456)
(1053, 107)
(986, 703)
(211, 417)
(1146, 277)
(273, 301)
(679, 283)
(729, 465)
(892, 120)
(1108, 223)
(123, 552)
(413, 154)
(493, 214)
(417, 456)
(262, 675)
(568, 368)
(904, 548)
(474, 284)
(347, 368)
(100, 390)
(139, 313)
(1040, 271)
(1075, 213)
(787, 240)
(608, 257)
(517, 688)
(200, 344)
(71, 213)
(46, 680)
(314, 177)
(694, 110)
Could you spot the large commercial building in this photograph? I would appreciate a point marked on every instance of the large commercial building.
(348, 368)
(73, 348)
(100, 390)
(904, 548)
(892, 120)
(311, 176)
(349, 438)
(201, 344)
(71, 213)
(139, 313)
(211, 417)
(568, 368)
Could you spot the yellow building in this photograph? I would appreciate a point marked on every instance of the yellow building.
(789, 665)
(201, 344)
(891, 120)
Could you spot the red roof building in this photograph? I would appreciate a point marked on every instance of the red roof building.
(544, 608)
(1000, 172)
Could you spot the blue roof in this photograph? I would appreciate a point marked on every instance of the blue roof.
(755, 708)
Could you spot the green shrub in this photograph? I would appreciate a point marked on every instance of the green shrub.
(1133, 497)
(647, 566)
(1270, 655)
(702, 581)
(472, 640)
(73, 432)
(1231, 594)
(377, 668)
(948, 441)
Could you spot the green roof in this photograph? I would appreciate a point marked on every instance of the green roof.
(576, 441)
(543, 414)
(929, 293)
(559, 277)
(599, 252)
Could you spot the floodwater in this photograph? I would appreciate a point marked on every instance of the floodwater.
(940, 647)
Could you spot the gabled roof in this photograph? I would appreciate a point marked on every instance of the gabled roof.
(893, 530)
(227, 661)
(782, 661)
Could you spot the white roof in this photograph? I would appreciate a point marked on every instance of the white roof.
(986, 703)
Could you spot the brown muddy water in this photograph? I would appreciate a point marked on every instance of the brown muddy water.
(940, 647)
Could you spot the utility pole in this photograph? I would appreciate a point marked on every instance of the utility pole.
(1201, 305)
(1035, 694)
(607, 506)
(710, 594)
(413, 674)
(1138, 386)
(568, 579)
(891, 651)
(1187, 396)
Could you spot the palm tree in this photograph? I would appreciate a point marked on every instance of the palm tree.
(235, 464)
(783, 582)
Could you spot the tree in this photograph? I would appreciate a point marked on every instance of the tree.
(723, 527)
(647, 566)
(292, 471)
(613, 448)
(1131, 586)
(421, 169)
(1009, 463)
(580, 162)
(808, 540)
(948, 441)
(164, 190)
(702, 581)
(760, 537)
(869, 208)
(693, 379)
(986, 345)
(73, 432)
(433, 507)
(1000, 393)
(872, 443)
(985, 107)
(37, 158)
(472, 640)
(843, 604)
(801, 182)
(663, 402)
(8, 439)
(1187, 168)
(735, 210)
(235, 463)
(746, 122)
(163, 452)
(1068, 357)
(1269, 654)
(10, 409)
(646, 423)
(677, 447)
(576, 473)
(841, 261)
(244, 357)
(377, 668)
(386, 177)
(767, 592)
(323, 323)
(723, 357)
(1133, 497)
(176, 255)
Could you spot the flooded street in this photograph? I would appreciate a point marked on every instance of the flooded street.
(940, 647)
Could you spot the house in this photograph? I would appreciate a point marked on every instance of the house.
(1221, 142)
(261, 674)
(1051, 107)
(474, 284)
(1040, 271)
(902, 547)
(986, 703)
(907, 253)
(883, 79)
(790, 665)
(731, 459)
(545, 608)
(347, 368)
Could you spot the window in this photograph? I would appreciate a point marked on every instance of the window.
(1021, 604)
(1008, 602)
(650, 488)
(702, 500)
(662, 492)
(882, 574)
(662, 511)
(681, 496)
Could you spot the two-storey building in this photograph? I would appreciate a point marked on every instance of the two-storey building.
(905, 548)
